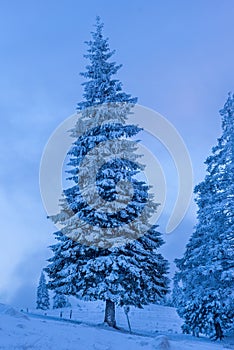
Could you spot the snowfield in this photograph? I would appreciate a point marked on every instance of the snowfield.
(155, 327)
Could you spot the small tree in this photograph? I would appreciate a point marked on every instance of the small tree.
(43, 301)
(176, 292)
(206, 270)
(60, 301)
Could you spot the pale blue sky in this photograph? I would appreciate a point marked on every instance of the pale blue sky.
(177, 58)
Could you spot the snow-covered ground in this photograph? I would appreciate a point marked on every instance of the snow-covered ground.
(155, 327)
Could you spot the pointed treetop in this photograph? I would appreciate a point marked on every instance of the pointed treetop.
(99, 25)
(229, 104)
(228, 113)
(100, 86)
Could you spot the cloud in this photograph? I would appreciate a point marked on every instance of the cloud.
(27, 273)
(25, 235)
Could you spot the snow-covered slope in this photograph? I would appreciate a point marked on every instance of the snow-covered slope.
(20, 332)
(152, 320)
(10, 311)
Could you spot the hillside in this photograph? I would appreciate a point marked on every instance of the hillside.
(158, 326)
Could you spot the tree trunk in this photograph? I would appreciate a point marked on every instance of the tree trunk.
(110, 314)
(218, 331)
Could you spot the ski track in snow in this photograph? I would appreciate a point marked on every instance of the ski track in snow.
(158, 326)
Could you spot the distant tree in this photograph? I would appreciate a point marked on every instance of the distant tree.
(176, 292)
(206, 271)
(92, 265)
(60, 301)
(43, 301)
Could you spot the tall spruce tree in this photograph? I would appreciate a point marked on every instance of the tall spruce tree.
(99, 254)
(43, 300)
(206, 271)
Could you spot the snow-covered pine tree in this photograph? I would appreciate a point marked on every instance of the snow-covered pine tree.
(60, 301)
(43, 300)
(176, 291)
(206, 271)
(106, 259)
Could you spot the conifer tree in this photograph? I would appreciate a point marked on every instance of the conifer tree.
(99, 254)
(176, 291)
(43, 301)
(60, 301)
(206, 271)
